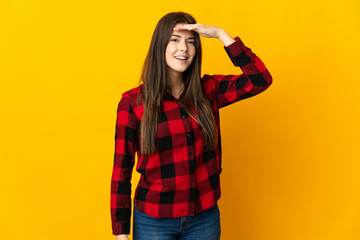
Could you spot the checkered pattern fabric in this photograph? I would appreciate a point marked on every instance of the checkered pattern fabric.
(180, 179)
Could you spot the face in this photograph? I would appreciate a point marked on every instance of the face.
(181, 45)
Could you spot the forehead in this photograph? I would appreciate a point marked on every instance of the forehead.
(182, 33)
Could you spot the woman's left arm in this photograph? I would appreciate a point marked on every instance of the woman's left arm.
(228, 89)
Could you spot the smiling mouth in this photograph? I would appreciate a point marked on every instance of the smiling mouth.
(180, 59)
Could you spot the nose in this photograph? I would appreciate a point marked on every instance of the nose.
(183, 46)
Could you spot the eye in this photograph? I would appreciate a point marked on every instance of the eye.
(174, 40)
(192, 43)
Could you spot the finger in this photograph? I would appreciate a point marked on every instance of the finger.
(186, 29)
(185, 26)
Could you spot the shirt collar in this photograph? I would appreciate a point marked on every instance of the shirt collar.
(170, 97)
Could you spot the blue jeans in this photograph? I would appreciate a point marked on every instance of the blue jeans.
(203, 226)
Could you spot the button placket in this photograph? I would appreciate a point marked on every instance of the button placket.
(189, 135)
(191, 156)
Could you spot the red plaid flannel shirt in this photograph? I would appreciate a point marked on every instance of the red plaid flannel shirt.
(180, 179)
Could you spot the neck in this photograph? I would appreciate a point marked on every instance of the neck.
(176, 83)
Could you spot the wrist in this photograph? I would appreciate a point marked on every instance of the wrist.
(225, 38)
(219, 33)
(122, 237)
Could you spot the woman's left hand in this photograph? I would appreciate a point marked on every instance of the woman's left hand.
(202, 29)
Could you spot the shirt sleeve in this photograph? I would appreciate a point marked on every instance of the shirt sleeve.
(228, 89)
(124, 157)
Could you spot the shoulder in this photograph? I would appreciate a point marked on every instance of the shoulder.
(133, 92)
(131, 95)
(209, 86)
(131, 102)
(207, 79)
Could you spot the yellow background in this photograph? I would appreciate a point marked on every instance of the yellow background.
(290, 155)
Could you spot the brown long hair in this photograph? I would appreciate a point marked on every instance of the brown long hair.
(155, 86)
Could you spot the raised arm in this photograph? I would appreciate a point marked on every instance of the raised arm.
(124, 158)
(228, 89)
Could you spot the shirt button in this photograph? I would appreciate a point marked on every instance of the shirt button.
(182, 116)
(188, 134)
(178, 102)
(191, 171)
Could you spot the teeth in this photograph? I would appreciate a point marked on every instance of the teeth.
(183, 58)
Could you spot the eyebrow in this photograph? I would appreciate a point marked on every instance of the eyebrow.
(180, 36)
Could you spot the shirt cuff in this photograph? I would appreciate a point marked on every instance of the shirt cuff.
(236, 47)
(121, 227)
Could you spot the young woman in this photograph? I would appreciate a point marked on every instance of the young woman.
(172, 122)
